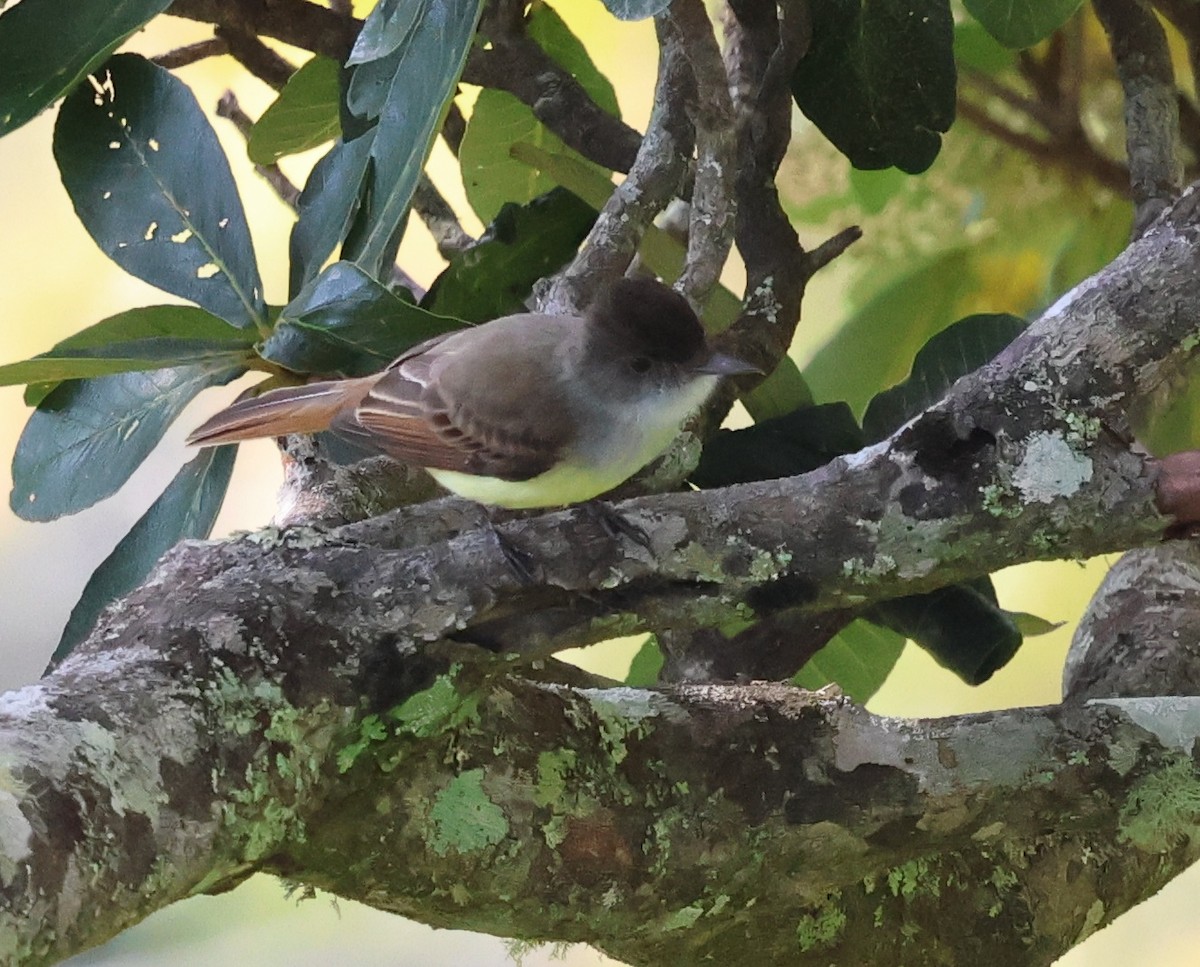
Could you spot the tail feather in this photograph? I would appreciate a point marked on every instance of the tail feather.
(300, 409)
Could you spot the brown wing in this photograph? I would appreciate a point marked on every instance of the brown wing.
(464, 402)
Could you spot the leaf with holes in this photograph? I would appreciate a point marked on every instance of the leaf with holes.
(150, 183)
(878, 80)
(303, 116)
(87, 437)
(186, 509)
(49, 46)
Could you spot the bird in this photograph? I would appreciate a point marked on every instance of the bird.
(525, 411)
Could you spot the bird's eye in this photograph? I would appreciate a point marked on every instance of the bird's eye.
(640, 364)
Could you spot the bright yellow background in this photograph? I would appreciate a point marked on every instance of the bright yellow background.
(55, 281)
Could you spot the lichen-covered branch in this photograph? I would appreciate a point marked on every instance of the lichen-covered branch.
(652, 181)
(1152, 142)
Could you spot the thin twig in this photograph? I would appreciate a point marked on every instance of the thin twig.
(653, 179)
(713, 210)
(1139, 47)
(1073, 157)
(517, 64)
(440, 219)
(259, 59)
(191, 53)
(229, 108)
(295, 22)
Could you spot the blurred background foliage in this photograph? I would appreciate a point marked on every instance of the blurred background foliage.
(1015, 210)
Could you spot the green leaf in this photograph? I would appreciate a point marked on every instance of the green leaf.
(123, 357)
(150, 183)
(525, 243)
(147, 324)
(303, 116)
(780, 447)
(874, 189)
(345, 322)
(646, 664)
(491, 176)
(553, 35)
(407, 90)
(780, 393)
(636, 9)
(955, 351)
(1032, 625)
(858, 658)
(86, 438)
(387, 27)
(327, 207)
(49, 46)
(879, 79)
(962, 627)
(186, 509)
(975, 47)
(1021, 23)
(875, 347)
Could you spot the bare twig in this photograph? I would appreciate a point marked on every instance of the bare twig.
(517, 64)
(440, 219)
(295, 22)
(259, 59)
(229, 108)
(1139, 47)
(191, 53)
(713, 207)
(1073, 156)
(655, 176)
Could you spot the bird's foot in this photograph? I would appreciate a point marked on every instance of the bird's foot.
(614, 524)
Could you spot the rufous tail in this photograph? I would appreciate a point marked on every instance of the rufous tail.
(300, 409)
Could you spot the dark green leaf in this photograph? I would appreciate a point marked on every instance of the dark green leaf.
(186, 509)
(636, 9)
(344, 322)
(146, 323)
(525, 243)
(975, 47)
(780, 447)
(150, 183)
(962, 627)
(49, 46)
(858, 658)
(387, 26)
(646, 664)
(410, 114)
(1021, 23)
(304, 115)
(780, 393)
(124, 357)
(86, 438)
(875, 347)
(879, 79)
(327, 208)
(955, 351)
